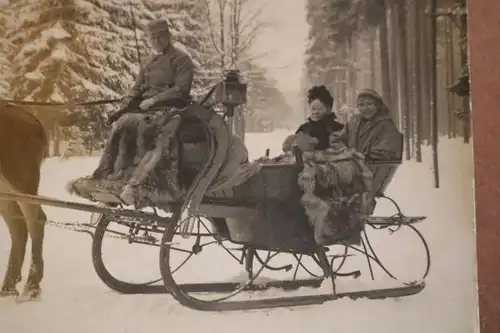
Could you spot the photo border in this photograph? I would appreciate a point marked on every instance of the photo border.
(484, 50)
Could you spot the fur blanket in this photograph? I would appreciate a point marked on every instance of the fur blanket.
(140, 164)
(337, 184)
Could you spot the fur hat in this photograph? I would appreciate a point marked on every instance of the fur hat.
(369, 93)
(376, 96)
(322, 94)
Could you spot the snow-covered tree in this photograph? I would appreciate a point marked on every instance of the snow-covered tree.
(265, 102)
(322, 53)
(75, 145)
(82, 48)
(72, 50)
(92, 49)
(50, 52)
(5, 65)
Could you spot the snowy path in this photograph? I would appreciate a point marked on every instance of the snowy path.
(75, 299)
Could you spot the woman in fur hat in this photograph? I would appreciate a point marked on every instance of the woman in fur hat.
(315, 132)
(372, 132)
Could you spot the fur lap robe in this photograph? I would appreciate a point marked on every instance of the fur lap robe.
(337, 184)
(140, 163)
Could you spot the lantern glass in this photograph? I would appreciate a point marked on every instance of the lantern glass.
(235, 93)
(232, 91)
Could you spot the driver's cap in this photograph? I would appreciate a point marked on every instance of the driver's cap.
(157, 26)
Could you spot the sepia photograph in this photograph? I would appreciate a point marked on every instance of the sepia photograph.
(250, 165)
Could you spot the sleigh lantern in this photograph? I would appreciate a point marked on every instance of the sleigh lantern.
(232, 91)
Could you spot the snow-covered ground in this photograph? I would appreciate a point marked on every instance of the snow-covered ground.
(75, 299)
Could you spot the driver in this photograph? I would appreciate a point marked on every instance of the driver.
(164, 80)
(165, 77)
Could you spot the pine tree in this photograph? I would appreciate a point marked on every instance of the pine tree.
(50, 53)
(115, 46)
(323, 53)
(73, 50)
(84, 48)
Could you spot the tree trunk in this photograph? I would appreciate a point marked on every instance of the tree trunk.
(434, 115)
(373, 58)
(403, 74)
(416, 84)
(394, 55)
(222, 37)
(353, 71)
(465, 60)
(425, 39)
(384, 61)
(450, 60)
(57, 141)
(343, 76)
(410, 75)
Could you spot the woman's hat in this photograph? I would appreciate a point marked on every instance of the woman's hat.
(369, 93)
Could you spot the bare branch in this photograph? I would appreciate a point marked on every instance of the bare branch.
(254, 57)
(222, 4)
(248, 40)
(213, 37)
(246, 21)
(239, 29)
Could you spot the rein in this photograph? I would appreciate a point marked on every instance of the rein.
(67, 104)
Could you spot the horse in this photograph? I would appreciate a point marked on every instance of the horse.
(23, 145)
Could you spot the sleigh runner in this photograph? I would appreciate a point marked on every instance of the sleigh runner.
(263, 213)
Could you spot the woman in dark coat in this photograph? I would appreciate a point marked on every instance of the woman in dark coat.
(372, 132)
(321, 122)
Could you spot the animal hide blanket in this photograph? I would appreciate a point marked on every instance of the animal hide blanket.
(336, 186)
(140, 164)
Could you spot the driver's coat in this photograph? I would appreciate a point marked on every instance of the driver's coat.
(165, 76)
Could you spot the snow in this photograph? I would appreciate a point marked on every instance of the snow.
(59, 52)
(34, 76)
(74, 298)
(56, 32)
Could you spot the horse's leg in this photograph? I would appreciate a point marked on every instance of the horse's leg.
(16, 223)
(36, 218)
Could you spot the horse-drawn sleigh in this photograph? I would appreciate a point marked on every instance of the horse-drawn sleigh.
(235, 218)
